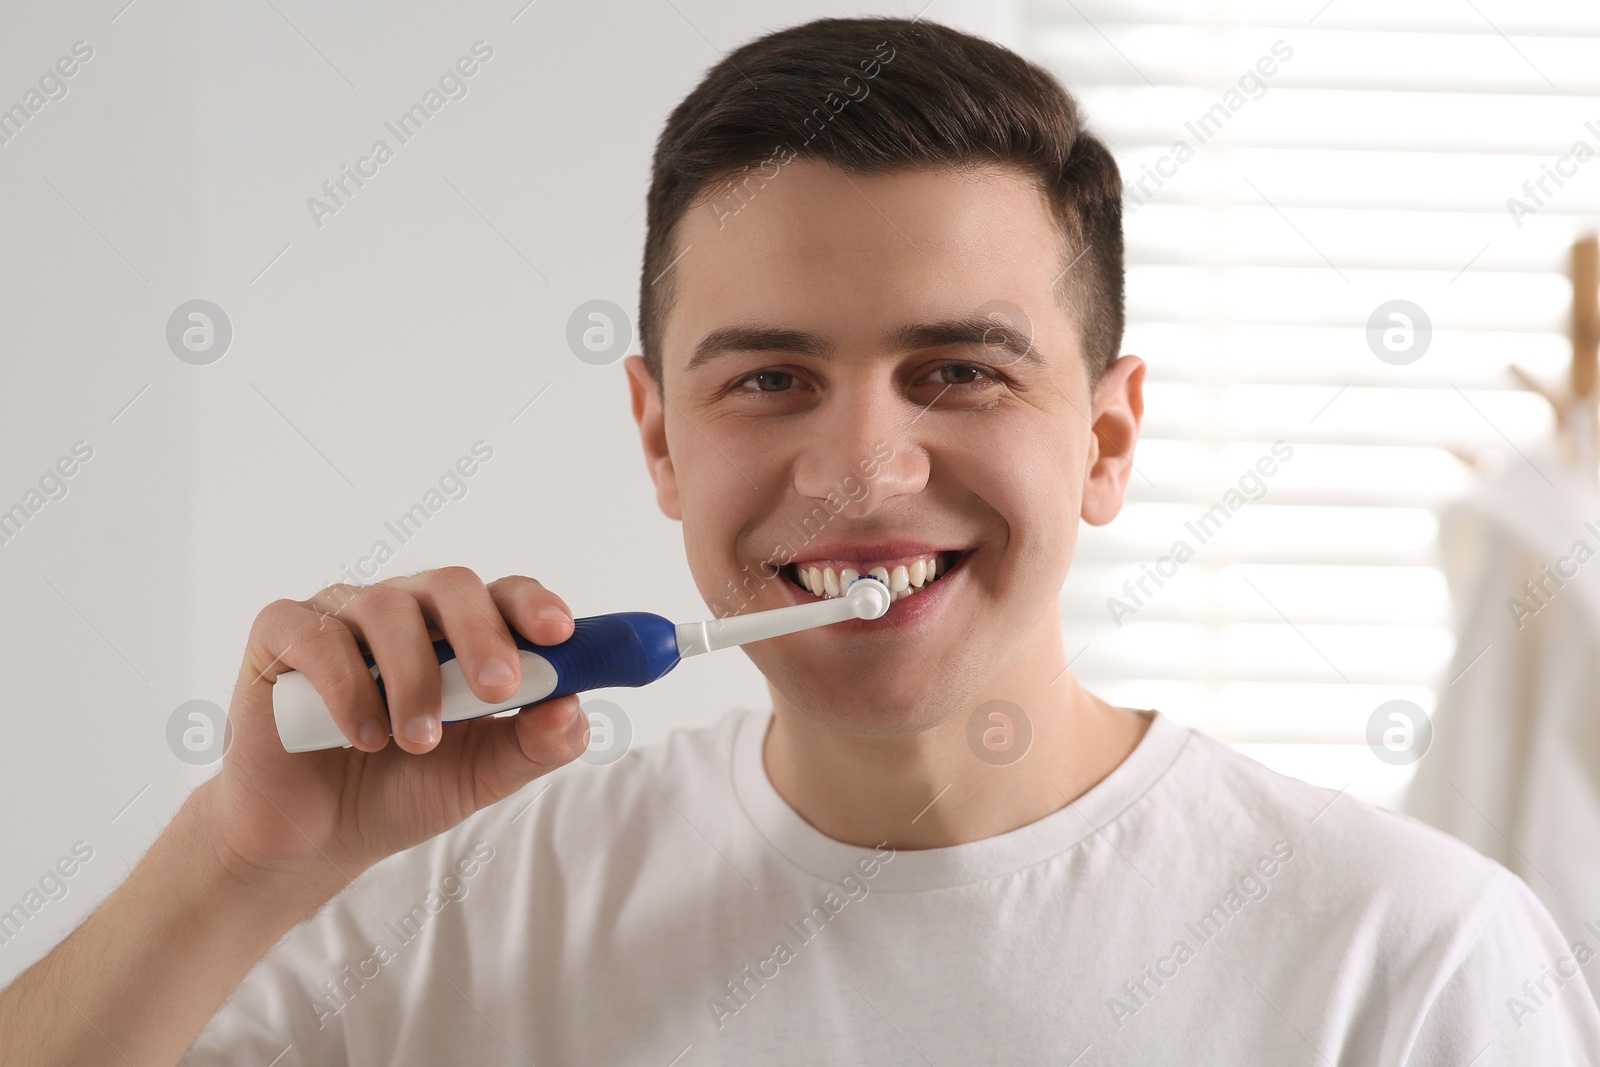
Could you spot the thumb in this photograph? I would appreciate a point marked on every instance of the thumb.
(509, 753)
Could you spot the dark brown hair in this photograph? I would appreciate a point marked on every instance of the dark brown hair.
(877, 96)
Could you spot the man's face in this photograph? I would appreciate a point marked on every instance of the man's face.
(826, 407)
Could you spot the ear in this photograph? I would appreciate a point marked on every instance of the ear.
(647, 412)
(1117, 410)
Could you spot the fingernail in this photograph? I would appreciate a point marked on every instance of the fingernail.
(422, 730)
(496, 672)
(552, 613)
(371, 733)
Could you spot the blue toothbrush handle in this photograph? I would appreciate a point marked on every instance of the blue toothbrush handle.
(629, 648)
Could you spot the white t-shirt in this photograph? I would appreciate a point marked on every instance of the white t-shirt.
(671, 909)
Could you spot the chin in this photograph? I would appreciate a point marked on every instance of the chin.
(863, 700)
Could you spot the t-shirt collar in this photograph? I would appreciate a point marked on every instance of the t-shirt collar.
(941, 868)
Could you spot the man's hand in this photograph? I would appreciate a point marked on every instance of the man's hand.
(268, 840)
(314, 820)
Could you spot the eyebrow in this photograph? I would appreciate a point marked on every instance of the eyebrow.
(913, 337)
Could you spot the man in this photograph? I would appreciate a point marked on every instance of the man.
(881, 314)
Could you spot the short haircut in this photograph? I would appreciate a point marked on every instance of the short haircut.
(880, 96)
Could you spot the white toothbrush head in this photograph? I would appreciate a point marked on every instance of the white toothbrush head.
(869, 597)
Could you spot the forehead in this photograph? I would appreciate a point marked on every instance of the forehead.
(817, 249)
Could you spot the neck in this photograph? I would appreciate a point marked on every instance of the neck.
(929, 789)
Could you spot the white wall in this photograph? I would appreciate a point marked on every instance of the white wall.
(369, 356)
(97, 629)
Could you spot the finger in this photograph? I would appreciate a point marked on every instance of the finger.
(331, 601)
(289, 635)
(455, 601)
(513, 751)
(532, 610)
(389, 621)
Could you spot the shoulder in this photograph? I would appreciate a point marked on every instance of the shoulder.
(576, 840)
(1401, 929)
(585, 803)
(1352, 861)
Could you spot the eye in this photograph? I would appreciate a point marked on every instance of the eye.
(769, 381)
(962, 374)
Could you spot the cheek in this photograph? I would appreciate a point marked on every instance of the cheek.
(1029, 476)
(708, 464)
(1032, 479)
(715, 495)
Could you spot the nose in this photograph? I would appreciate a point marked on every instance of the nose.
(866, 450)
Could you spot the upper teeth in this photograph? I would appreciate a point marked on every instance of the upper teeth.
(903, 580)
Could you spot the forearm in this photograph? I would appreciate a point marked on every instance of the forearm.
(141, 977)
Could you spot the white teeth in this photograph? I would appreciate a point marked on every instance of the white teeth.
(902, 581)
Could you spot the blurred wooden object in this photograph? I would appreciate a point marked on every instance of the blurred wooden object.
(1577, 405)
(1585, 314)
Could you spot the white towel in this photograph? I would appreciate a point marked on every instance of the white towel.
(1514, 767)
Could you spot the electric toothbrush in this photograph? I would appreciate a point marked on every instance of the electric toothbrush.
(629, 648)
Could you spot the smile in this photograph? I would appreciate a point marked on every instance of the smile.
(905, 577)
